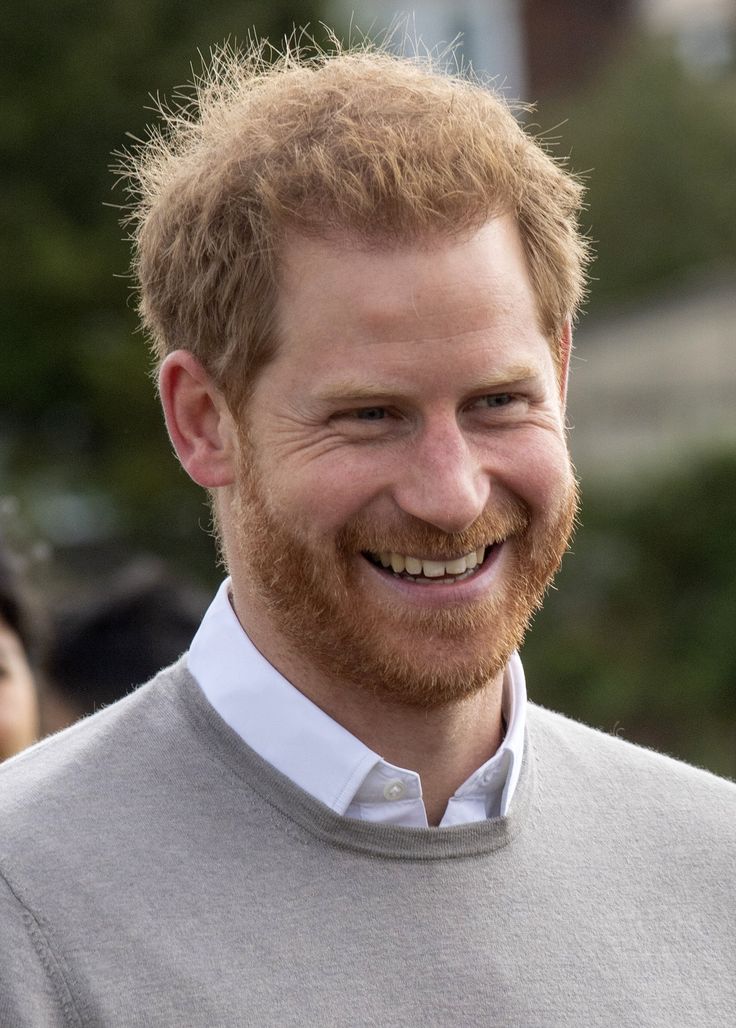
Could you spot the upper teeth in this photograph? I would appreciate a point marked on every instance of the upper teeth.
(432, 568)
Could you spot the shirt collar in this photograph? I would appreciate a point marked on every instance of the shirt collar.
(302, 742)
(270, 714)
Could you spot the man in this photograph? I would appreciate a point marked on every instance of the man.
(359, 276)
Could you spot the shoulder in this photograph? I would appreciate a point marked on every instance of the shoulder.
(83, 767)
(576, 760)
(84, 802)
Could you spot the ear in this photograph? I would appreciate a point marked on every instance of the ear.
(565, 352)
(198, 419)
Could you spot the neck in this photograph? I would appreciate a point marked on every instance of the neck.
(444, 745)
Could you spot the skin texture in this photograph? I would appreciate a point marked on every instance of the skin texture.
(18, 697)
(414, 405)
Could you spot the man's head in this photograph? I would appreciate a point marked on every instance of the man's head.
(386, 149)
(360, 275)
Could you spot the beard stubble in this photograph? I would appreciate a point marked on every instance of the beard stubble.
(420, 658)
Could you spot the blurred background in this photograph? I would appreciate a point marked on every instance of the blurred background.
(639, 637)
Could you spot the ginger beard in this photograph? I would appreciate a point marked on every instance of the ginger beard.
(318, 600)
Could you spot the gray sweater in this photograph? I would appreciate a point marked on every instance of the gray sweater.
(155, 871)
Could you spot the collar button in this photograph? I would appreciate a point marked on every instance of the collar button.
(394, 789)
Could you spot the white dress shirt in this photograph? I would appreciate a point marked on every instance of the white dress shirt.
(320, 756)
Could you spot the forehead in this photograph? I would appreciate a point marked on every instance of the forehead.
(486, 257)
(398, 305)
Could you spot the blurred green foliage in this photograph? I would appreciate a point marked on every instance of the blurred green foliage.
(639, 636)
(656, 146)
(78, 413)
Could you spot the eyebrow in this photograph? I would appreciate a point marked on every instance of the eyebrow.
(353, 390)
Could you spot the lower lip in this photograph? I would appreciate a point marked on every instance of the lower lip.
(442, 594)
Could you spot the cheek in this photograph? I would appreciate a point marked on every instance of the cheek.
(324, 498)
(540, 473)
(19, 686)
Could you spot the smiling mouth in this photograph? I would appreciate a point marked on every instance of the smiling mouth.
(435, 572)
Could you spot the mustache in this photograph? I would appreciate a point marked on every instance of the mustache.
(415, 537)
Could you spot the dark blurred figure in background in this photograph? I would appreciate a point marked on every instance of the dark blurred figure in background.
(21, 644)
(107, 643)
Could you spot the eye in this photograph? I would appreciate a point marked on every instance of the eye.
(371, 413)
(369, 423)
(495, 400)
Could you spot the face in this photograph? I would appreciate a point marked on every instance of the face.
(18, 700)
(405, 493)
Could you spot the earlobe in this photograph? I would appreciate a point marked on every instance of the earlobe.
(198, 420)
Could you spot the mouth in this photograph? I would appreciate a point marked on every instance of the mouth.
(432, 572)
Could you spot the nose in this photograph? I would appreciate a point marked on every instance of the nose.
(442, 481)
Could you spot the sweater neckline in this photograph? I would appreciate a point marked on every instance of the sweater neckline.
(295, 805)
